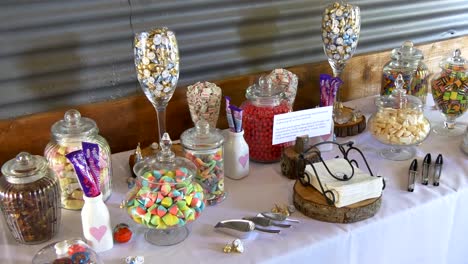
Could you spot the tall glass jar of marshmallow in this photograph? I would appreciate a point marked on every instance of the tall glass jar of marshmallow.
(67, 136)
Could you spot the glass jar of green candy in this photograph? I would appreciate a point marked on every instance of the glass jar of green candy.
(203, 145)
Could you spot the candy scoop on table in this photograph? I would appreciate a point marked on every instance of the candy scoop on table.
(263, 221)
(241, 228)
(277, 217)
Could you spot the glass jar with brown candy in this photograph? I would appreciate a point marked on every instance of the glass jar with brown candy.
(30, 199)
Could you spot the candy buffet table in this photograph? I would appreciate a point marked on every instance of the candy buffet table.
(427, 226)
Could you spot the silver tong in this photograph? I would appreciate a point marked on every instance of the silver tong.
(242, 226)
(277, 217)
(263, 221)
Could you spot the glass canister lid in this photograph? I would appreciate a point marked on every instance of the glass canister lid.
(74, 125)
(164, 160)
(265, 88)
(398, 99)
(25, 168)
(201, 137)
(407, 52)
(456, 62)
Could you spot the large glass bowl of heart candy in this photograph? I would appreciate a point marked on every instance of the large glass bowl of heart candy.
(399, 122)
(66, 252)
(165, 197)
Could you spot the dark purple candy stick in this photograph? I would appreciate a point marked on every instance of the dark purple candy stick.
(91, 153)
(88, 185)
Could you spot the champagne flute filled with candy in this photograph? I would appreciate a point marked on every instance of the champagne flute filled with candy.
(157, 66)
(341, 25)
(449, 89)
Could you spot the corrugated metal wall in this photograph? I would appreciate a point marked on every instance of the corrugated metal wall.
(58, 53)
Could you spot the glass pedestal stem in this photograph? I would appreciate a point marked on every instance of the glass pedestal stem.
(161, 117)
(338, 116)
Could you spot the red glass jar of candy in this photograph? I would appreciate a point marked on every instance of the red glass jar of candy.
(264, 101)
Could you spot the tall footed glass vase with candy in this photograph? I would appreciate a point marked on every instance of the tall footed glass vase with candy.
(341, 26)
(165, 198)
(450, 92)
(157, 65)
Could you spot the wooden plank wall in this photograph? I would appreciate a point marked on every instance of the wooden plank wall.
(125, 122)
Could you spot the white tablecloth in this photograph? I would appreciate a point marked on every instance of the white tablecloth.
(427, 226)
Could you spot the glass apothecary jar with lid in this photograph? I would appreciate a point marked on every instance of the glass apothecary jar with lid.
(203, 145)
(67, 136)
(30, 199)
(407, 61)
(264, 100)
(450, 93)
(166, 197)
(399, 122)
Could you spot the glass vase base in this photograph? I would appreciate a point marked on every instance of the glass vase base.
(167, 237)
(341, 117)
(442, 130)
(398, 154)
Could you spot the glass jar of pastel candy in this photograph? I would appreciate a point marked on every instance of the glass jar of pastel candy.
(30, 199)
(407, 61)
(67, 251)
(203, 145)
(399, 122)
(165, 197)
(68, 135)
(450, 92)
(264, 100)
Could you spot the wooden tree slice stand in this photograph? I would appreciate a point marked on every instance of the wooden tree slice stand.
(350, 128)
(311, 203)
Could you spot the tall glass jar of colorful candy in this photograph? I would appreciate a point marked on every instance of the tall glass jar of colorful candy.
(407, 61)
(30, 199)
(67, 136)
(450, 92)
(203, 145)
(264, 100)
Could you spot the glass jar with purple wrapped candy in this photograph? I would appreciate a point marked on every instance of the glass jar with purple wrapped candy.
(30, 199)
(70, 134)
(203, 145)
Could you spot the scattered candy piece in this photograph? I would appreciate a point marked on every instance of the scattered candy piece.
(135, 260)
(122, 233)
(80, 258)
(63, 261)
(75, 249)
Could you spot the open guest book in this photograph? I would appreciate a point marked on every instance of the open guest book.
(360, 187)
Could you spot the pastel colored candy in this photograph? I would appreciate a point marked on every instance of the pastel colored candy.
(166, 202)
(167, 199)
(170, 220)
(161, 211)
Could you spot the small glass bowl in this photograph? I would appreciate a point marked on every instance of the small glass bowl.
(66, 251)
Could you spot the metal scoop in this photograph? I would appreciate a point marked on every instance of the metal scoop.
(243, 226)
(277, 217)
(263, 221)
